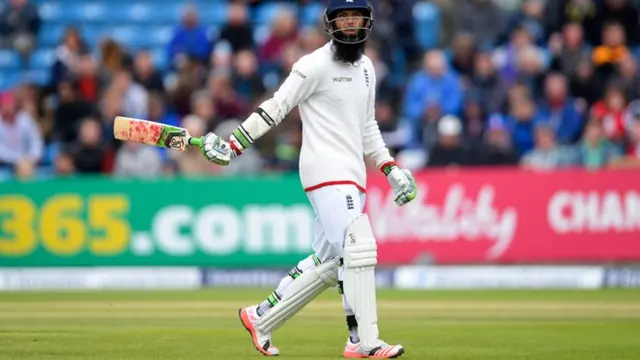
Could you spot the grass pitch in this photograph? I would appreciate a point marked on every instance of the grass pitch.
(432, 325)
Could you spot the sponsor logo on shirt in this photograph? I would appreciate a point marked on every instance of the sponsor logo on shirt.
(294, 71)
(342, 79)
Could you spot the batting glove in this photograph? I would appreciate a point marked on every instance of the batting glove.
(216, 150)
(403, 185)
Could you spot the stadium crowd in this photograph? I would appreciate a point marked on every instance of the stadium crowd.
(540, 84)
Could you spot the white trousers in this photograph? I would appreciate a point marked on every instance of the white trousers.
(335, 208)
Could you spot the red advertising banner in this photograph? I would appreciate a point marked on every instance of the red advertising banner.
(510, 215)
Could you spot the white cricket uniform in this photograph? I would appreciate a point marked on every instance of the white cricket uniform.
(336, 102)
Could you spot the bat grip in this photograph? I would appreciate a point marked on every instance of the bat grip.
(195, 141)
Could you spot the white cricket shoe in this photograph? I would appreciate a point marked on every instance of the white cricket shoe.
(382, 351)
(261, 341)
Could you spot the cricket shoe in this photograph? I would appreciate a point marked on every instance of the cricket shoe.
(262, 341)
(382, 351)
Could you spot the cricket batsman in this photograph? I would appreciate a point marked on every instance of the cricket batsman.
(335, 89)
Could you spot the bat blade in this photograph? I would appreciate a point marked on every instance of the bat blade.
(153, 133)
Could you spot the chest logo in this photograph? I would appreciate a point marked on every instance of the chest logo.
(342, 79)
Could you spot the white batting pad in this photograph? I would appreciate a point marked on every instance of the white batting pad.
(359, 283)
(300, 293)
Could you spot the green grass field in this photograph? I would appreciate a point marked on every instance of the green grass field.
(497, 325)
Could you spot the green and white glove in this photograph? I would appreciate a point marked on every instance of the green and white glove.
(217, 150)
(403, 184)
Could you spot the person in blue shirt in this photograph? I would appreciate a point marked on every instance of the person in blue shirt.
(435, 85)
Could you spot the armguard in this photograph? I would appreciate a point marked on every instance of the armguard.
(257, 124)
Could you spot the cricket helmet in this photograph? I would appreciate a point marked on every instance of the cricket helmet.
(361, 32)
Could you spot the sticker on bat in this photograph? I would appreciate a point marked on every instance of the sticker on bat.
(175, 140)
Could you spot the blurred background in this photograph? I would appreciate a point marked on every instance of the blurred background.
(520, 119)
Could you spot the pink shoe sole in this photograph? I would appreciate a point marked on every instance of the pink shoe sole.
(244, 318)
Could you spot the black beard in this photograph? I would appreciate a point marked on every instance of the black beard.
(349, 53)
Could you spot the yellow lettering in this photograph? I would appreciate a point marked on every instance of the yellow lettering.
(17, 235)
(106, 214)
(61, 227)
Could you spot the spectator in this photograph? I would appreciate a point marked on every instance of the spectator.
(112, 59)
(610, 111)
(189, 39)
(190, 162)
(621, 11)
(559, 12)
(238, 31)
(450, 149)
(284, 31)
(530, 70)
(568, 49)
(188, 79)
(560, 111)
(158, 111)
(290, 55)
(473, 116)
(507, 57)
(594, 151)
(89, 83)
(497, 148)
(247, 82)
(21, 145)
(628, 77)
(67, 55)
(433, 90)
(632, 159)
(490, 88)
(546, 155)
(483, 18)
(522, 119)
(19, 26)
(203, 107)
(312, 39)
(138, 160)
(612, 51)
(145, 74)
(531, 15)
(135, 98)
(87, 152)
(70, 112)
(463, 54)
(63, 164)
(225, 98)
(585, 85)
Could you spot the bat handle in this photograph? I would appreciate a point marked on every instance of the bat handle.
(195, 141)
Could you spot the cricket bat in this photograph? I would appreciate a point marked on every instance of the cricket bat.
(153, 133)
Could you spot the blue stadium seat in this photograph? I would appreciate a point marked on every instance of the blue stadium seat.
(132, 12)
(50, 34)
(9, 60)
(213, 13)
(42, 58)
(160, 58)
(40, 77)
(51, 11)
(427, 24)
(90, 11)
(9, 80)
(265, 13)
(311, 14)
(168, 13)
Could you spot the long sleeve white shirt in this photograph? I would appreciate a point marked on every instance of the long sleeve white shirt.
(336, 102)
